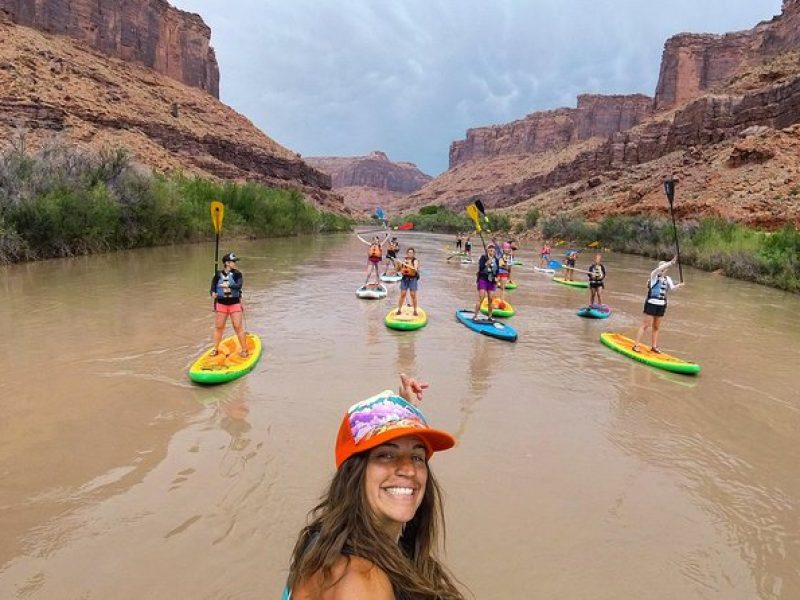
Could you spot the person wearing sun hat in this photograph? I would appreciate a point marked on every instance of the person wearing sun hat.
(655, 305)
(226, 290)
(375, 532)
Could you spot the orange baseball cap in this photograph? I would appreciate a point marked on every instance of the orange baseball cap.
(382, 418)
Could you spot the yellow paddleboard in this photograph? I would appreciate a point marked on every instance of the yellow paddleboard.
(228, 364)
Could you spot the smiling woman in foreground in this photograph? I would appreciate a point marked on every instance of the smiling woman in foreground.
(375, 533)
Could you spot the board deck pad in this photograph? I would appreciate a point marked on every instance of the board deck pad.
(228, 364)
(406, 321)
(661, 360)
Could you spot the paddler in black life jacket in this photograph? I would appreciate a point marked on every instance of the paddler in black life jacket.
(655, 305)
(374, 257)
(391, 253)
(597, 277)
(488, 267)
(410, 282)
(226, 289)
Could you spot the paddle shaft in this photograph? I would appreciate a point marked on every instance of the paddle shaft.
(669, 190)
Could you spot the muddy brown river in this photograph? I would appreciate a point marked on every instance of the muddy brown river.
(579, 473)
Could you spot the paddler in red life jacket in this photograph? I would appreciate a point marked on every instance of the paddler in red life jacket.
(655, 305)
(410, 282)
(226, 289)
(544, 255)
(374, 258)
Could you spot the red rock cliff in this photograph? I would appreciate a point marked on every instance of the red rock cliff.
(373, 171)
(596, 115)
(696, 63)
(150, 32)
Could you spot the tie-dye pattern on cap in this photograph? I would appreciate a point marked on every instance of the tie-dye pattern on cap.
(381, 413)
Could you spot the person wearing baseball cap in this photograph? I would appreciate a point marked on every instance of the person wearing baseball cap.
(655, 305)
(375, 532)
(226, 290)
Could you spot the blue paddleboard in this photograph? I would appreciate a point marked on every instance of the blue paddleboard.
(595, 311)
(495, 329)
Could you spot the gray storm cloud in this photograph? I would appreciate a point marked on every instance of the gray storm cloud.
(408, 77)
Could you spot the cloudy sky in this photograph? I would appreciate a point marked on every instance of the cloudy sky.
(344, 77)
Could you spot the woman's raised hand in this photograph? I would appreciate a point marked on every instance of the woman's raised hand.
(412, 389)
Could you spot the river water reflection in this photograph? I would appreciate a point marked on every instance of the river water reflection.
(579, 473)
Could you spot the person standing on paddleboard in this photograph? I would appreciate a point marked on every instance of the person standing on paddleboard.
(458, 242)
(544, 255)
(391, 254)
(655, 305)
(374, 257)
(505, 261)
(597, 277)
(410, 281)
(375, 534)
(468, 248)
(226, 289)
(569, 271)
(488, 266)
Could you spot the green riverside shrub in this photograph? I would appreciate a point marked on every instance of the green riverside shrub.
(62, 201)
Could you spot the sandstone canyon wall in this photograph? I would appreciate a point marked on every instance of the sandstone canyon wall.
(367, 182)
(53, 85)
(150, 32)
(595, 115)
(717, 88)
(374, 171)
(693, 64)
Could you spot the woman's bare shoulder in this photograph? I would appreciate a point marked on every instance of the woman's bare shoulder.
(356, 579)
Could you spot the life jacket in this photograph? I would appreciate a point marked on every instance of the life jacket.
(596, 272)
(657, 293)
(545, 249)
(490, 269)
(407, 270)
(223, 292)
(375, 251)
(506, 261)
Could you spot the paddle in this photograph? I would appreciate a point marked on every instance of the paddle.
(217, 213)
(482, 210)
(472, 211)
(554, 264)
(669, 189)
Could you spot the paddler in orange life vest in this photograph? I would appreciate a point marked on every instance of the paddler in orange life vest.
(226, 289)
(374, 258)
(410, 282)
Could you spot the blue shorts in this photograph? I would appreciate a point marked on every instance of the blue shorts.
(409, 283)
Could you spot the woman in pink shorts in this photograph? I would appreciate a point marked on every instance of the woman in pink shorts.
(226, 289)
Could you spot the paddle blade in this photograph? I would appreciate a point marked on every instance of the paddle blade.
(472, 211)
(482, 210)
(217, 213)
(554, 264)
(379, 214)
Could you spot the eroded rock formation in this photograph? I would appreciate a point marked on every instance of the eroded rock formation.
(54, 85)
(150, 32)
(367, 182)
(596, 115)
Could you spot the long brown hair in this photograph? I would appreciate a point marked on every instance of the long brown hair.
(343, 523)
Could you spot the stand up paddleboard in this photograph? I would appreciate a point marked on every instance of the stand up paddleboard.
(372, 293)
(511, 285)
(406, 321)
(595, 311)
(661, 360)
(391, 278)
(499, 308)
(494, 329)
(228, 364)
(577, 284)
(545, 271)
